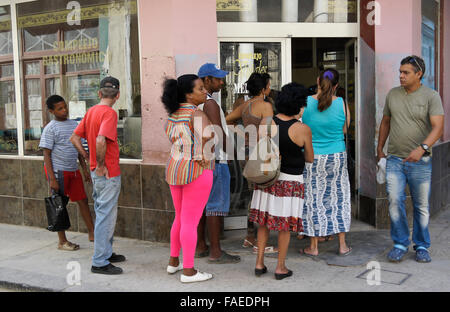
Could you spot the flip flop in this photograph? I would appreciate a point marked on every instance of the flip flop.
(247, 244)
(225, 259)
(328, 238)
(346, 253)
(268, 250)
(302, 252)
(202, 254)
(68, 246)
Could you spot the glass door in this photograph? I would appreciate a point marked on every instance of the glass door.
(351, 52)
(242, 57)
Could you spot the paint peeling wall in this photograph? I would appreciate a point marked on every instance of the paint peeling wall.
(177, 37)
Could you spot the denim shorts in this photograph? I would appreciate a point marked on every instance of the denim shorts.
(219, 199)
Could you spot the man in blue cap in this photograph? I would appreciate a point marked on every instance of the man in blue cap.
(218, 205)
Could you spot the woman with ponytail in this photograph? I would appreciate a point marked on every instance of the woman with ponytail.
(327, 208)
(188, 173)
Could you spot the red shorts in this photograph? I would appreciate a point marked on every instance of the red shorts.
(70, 184)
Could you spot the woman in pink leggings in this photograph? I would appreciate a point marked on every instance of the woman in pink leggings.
(189, 175)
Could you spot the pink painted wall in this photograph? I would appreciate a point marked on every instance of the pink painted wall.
(398, 36)
(400, 28)
(177, 37)
(446, 64)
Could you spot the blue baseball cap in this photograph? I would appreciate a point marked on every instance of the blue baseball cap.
(210, 69)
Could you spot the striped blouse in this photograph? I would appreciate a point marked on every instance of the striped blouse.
(181, 168)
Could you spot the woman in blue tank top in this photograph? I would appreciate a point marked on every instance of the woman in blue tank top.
(327, 207)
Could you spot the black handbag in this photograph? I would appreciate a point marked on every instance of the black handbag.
(351, 164)
(57, 214)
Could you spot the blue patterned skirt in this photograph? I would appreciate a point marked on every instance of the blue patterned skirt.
(327, 205)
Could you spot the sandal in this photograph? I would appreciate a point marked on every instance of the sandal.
(423, 256)
(345, 253)
(397, 254)
(202, 254)
(247, 244)
(68, 246)
(302, 252)
(279, 277)
(225, 259)
(328, 238)
(268, 250)
(259, 272)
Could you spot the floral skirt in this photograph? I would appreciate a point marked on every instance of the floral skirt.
(280, 206)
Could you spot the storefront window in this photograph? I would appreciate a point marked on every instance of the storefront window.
(241, 60)
(430, 22)
(292, 11)
(66, 48)
(8, 121)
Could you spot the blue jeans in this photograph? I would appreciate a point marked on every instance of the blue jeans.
(219, 199)
(418, 177)
(105, 195)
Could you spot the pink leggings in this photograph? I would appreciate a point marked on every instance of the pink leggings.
(189, 201)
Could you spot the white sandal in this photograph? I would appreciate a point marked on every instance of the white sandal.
(173, 270)
(267, 250)
(199, 277)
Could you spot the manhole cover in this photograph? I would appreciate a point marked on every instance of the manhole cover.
(386, 277)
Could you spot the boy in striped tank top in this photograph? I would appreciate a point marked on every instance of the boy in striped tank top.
(61, 167)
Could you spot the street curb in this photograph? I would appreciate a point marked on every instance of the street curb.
(20, 287)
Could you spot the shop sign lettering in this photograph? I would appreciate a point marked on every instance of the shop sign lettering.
(233, 5)
(76, 58)
(76, 45)
(245, 62)
(76, 52)
(349, 7)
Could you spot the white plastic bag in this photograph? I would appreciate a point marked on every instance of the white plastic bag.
(381, 172)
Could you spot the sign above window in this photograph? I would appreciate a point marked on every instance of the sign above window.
(234, 5)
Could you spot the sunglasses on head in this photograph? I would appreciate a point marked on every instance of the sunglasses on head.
(413, 60)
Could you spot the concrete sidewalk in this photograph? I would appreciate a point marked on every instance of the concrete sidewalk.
(29, 260)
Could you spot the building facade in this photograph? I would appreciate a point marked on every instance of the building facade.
(67, 47)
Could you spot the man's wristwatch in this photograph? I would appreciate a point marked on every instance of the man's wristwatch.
(426, 148)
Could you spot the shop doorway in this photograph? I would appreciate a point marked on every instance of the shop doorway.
(310, 56)
(286, 60)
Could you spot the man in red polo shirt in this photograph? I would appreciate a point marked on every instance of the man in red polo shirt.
(99, 128)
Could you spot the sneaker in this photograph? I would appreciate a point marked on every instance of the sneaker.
(116, 258)
(107, 270)
(396, 254)
(173, 270)
(199, 277)
(423, 256)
